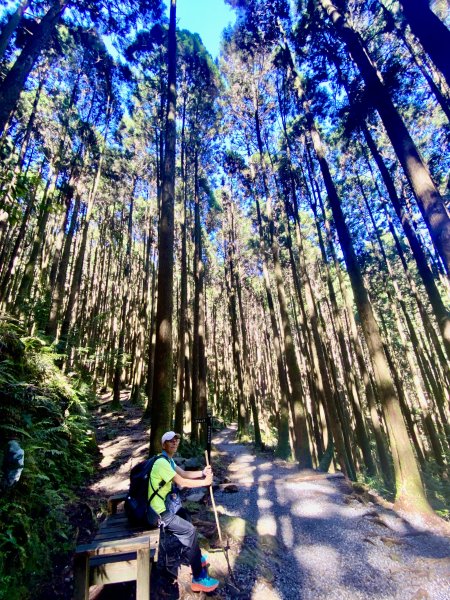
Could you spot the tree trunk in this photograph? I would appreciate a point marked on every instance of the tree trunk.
(179, 398)
(78, 266)
(235, 343)
(11, 25)
(434, 79)
(28, 276)
(199, 395)
(161, 405)
(12, 85)
(247, 366)
(431, 32)
(58, 295)
(302, 446)
(283, 446)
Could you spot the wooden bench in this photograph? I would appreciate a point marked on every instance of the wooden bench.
(118, 553)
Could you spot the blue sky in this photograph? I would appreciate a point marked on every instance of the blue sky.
(208, 18)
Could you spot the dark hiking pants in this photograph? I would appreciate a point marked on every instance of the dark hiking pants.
(186, 533)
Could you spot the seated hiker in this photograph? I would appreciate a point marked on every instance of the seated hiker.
(173, 517)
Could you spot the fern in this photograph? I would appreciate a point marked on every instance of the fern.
(16, 430)
(47, 413)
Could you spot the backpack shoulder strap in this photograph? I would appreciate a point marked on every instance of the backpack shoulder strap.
(162, 482)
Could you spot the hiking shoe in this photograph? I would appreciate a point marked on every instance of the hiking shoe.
(205, 560)
(204, 584)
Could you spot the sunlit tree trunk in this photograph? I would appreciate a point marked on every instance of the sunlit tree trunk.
(232, 307)
(283, 446)
(78, 265)
(179, 398)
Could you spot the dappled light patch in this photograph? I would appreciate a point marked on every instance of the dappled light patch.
(266, 525)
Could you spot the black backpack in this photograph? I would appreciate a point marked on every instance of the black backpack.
(137, 504)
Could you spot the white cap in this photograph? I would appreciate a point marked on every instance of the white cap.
(169, 435)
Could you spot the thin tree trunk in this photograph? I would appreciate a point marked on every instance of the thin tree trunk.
(58, 295)
(302, 446)
(199, 401)
(179, 399)
(248, 369)
(78, 266)
(283, 446)
(235, 343)
(37, 246)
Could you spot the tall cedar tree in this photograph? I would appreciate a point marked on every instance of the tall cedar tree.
(161, 400)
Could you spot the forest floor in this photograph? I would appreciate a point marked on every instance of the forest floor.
(290, 535)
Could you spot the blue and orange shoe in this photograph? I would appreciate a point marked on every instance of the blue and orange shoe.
(204, 583)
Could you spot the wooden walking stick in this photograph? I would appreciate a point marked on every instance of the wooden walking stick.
(224, 548)
(213, 503)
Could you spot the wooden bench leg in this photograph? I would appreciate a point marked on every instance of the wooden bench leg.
(143, 574)
(81, 577)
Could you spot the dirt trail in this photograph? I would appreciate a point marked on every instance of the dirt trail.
(318, 540)
(291, 535)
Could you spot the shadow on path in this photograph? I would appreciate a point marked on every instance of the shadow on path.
(312, 540)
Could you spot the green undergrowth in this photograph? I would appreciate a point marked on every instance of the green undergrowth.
(437, 487)
(269, 437)
(47, 413)
(188, 449)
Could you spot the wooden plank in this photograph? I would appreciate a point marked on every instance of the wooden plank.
(153, 549)
(116, 572)
(121, 532)
(96, 561)
(117, 517)
(143, 575)
(81, 577)
(120, 519)
(117, 524)
(109, 547)
(117, 520)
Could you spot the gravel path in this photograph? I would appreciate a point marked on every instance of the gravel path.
(327, 544)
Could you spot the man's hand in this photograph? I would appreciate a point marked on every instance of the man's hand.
(206, 471)
(208, 479)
